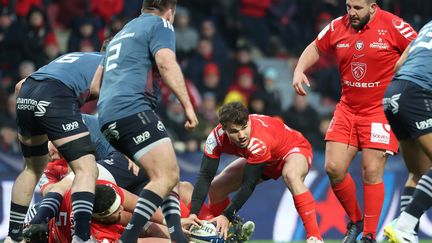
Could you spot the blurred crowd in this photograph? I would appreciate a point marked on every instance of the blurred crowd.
(229, 50)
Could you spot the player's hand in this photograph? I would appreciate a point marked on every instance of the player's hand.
(191, 119)
(186, 223)
(133, 167)
(298, 80)
(222, 225)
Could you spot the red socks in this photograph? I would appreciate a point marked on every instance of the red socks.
(305, 206)
(373, 195)
(345, 191)
(217, 208)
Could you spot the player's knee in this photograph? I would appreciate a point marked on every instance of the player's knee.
(77, 148)
(186, 187)
(372, 175)
(332, 169)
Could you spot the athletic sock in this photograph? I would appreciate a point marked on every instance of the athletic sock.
(305, 206)
(422, 201)
(144, 210)
(345, 191)
(16, 221)
(48, 208)
(217, 208)
(406, 198)
(373, 195)
(82, 208)
(171, 210)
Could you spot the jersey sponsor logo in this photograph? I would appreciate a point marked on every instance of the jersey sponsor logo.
(404, 28)
(379, 45)
(210, 144)
(257, 147)
(358, 70)
(70, 126)
(26, 104)
(356, 56)
(361, 84)
(392, 103)
(111, 132)
(422, 125)
(380, 133)
(359, 45)
(160, 126)
(342, 45)
(141, 138)
(109, 161)
(41, 108)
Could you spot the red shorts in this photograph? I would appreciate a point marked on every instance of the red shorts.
(361, 131)
(274, 170)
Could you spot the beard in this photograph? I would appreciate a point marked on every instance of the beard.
(362, 22)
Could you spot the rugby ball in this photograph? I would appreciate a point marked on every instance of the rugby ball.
(205, 233)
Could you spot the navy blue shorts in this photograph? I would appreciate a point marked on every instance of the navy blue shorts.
(136, 134)
(408, 108)
(48, 107)
(117, 165)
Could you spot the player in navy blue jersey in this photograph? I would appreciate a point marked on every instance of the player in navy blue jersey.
(48, 108)
(138, 58)
(407, 105)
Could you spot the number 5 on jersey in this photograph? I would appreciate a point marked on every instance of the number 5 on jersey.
(113, 54)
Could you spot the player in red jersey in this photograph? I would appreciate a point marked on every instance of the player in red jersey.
(367, 42)
(107, 213)
(267, 149)
(57, 178)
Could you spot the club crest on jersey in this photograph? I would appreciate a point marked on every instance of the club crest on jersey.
(358, 70)
(359, 45)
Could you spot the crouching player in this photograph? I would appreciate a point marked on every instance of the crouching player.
(267, 149)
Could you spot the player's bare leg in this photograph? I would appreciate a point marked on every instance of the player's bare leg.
(83, 186)
(338, 158)
(294, 172)
(229, 180)
(418, 164)
(24, 185)
(161, 166)
(422, 201)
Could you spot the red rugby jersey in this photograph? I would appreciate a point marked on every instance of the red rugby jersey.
(61, 226)
(366, 58)
(270, 141)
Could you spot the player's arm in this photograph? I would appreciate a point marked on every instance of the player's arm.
(402, 59)
(251, 175)
(207, 172)
(96, 83)
(18, 86)
(173, 77)
(308, 58)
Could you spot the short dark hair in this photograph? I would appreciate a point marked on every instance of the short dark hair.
(160, 5)
(233, 113)
(104, 198)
